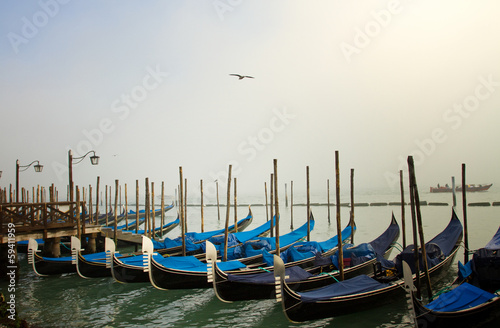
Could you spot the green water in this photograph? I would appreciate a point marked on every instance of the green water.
(71, 301)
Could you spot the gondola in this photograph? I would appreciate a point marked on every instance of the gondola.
(98, 264)
(190, 272)
(308, 273)
(44, 266)
(366, 291)
(194, 241)
(130, 269)
(142, 213)
(475, 298)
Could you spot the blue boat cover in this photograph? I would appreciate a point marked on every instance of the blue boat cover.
(191, 263)
(142, 231)
(437, 248)
(58, 259)
(244, 236)
(356, 285)
(130, 224)
(135, 260)
(258, 245)
(463, 297)
(294, 273)
(382, 243)
(464, 271)
(447, 239)
(357, 254)
(334, 241)
(193, 239)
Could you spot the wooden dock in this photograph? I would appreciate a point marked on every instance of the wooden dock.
(21, 221)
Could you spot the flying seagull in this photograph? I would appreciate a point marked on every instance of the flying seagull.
(242, 76)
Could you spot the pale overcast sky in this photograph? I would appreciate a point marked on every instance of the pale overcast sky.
(146, 85)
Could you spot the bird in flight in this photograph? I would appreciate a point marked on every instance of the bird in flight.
(242, 76)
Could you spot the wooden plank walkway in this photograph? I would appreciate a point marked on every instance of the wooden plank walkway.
(21, 221)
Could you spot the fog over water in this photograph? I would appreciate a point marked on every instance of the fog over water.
(147, 86)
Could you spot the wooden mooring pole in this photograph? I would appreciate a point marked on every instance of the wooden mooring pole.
(291, 205)
(308, 205)
(403, 224)
(339, 229)
(228, 207)
(277, 210)
(202, 205)
(116, 212)
(464, 209)
(235, 208)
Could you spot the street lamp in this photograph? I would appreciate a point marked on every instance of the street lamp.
(37, 167)
(94, 160)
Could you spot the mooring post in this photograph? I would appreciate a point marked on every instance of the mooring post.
(235, 209)
(308, 205)
(202, 219)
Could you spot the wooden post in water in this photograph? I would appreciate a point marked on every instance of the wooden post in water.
(107, 223)
(464, 208)
(201, 207)
(116, 211)
(77, 211)
(136, 206)
(275, 163)
(265, 193)
(97, 201)
(228, 207)
(352, 206)
(413, 180)
(271, 202)
(218, 205)
(453, 192)
(339, 229)
(153, 214)
(414, 230)
(328, 198)
(126, 208)
(185, 205)
(291, 205)
(181, 207)
(235, 208)
(308, 205)
(91, 208)
(162, 209)
(286, 195)
(403, 224)
(147, 213)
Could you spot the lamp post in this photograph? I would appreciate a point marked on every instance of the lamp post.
(94, 160)
(37, 167)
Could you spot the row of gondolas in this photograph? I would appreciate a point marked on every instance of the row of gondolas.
(305, 275)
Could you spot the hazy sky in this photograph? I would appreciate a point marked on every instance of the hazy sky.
(146, 85)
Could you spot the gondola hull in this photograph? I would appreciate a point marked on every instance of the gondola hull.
(298, 311)
(474, 317)
(126, 273)
(44, 266)
(165, 278)
(229, 289)
(91, 269)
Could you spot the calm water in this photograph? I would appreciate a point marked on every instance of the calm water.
(70, 301)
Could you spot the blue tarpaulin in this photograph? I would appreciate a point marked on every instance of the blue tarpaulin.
(356, 285)
(462, 297)
(294, 273)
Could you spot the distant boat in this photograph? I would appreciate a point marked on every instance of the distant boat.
(470, 187)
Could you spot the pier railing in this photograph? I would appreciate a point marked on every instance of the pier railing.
(30, 217)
